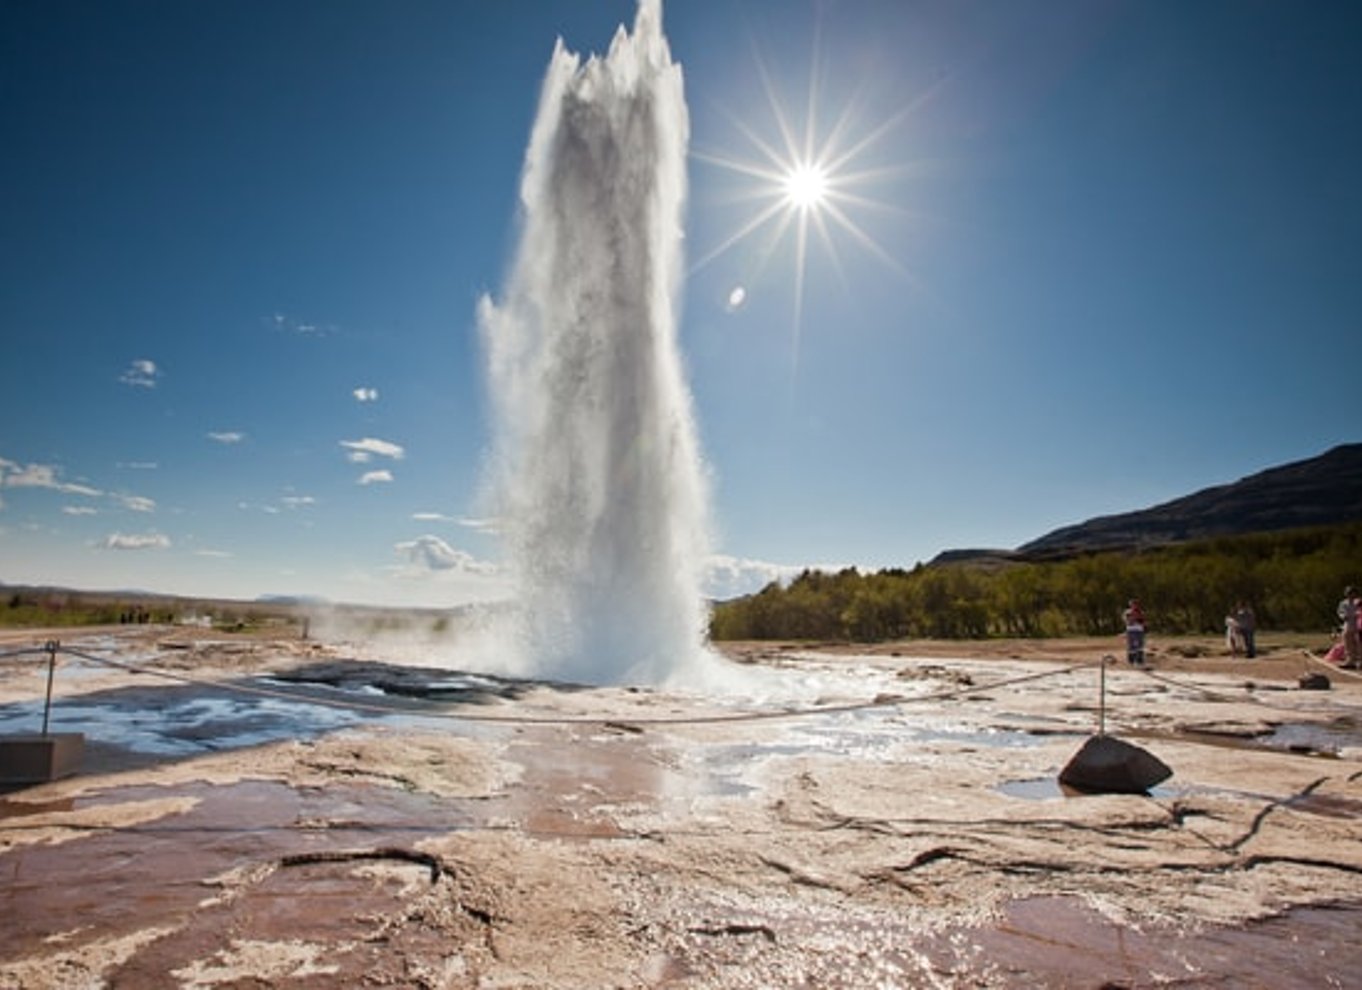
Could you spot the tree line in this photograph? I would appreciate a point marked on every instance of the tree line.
(1292, 579)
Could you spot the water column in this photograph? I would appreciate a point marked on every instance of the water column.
(600, 490)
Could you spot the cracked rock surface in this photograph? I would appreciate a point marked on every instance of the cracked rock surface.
(895, 822)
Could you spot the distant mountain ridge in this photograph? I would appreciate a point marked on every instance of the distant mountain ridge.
(1319, 491)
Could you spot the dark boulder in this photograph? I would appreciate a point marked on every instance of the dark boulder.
(1107, 765)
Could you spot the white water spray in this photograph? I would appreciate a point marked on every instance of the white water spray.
(598, 478)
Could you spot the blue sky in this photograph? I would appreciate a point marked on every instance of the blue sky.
(1100, 255)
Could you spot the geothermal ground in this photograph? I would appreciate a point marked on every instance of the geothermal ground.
(304, 816)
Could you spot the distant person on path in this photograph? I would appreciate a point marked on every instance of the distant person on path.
(1247, 623)
(1348, 614)
(1134, 616)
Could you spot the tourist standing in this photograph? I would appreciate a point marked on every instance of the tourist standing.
(1247, 623)
(1232, 634)
(1348, 614)
(1134, 618)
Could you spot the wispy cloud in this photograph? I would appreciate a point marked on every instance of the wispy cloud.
(491, 526)
(375, 477)
(137, 503)
(431, 517)
(41, 476)
(365, 394)
(226, 436)
(370, 446)
(47, 476)
(298, 501)
(137, 465)
(135, 541)
(213, 553)
(431, 553)
(302, 328)
(141, 373)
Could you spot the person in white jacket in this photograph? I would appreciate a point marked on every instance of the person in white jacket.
(1348, 610)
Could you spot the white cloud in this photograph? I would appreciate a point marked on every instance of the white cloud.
(431, 517)
(33, 476)
(212, 553)
(137, 465)
(433, 554)
(491, 526)
(79, 510)
(142, 373)
(136, 503)
(373, 477)
(370, 445)
(359, 457)
(227, 436)
(298, 501)
(365, 394)
(736, 298)
(135, 541)
(40, 476)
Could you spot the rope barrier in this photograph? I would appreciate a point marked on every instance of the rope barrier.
(26, 651)
(464, 715)
(891, 701)
(1331, 667)
(1219, 696)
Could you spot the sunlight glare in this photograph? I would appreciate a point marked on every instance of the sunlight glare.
(806, 186)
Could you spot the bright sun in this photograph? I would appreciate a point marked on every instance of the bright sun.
(806, 187)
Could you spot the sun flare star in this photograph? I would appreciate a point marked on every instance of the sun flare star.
(805, 176)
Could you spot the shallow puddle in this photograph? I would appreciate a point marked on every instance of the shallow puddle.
(1046, 788)
(127, 878)
(1062, 943)
(1325, 739)
(179, 721)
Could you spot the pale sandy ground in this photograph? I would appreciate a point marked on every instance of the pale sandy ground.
(893, 821)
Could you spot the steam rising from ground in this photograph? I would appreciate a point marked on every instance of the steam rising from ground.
(597, 470)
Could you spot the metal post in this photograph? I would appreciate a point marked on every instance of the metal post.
(1102, 698)
(51, 647)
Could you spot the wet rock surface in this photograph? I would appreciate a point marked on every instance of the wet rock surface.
(892, 822)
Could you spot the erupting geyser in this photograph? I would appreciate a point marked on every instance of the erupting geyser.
(600, 489)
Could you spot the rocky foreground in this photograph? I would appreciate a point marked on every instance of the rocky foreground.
(289, 814)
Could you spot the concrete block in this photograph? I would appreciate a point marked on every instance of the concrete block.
(36, 759)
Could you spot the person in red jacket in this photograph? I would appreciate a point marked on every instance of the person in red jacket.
(1134, 616)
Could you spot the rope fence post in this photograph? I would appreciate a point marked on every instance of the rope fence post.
(1102, 696)
(51, 647)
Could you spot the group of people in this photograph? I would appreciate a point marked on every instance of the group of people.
(1241, 623)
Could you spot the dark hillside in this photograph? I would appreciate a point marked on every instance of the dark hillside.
(1321, 491)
